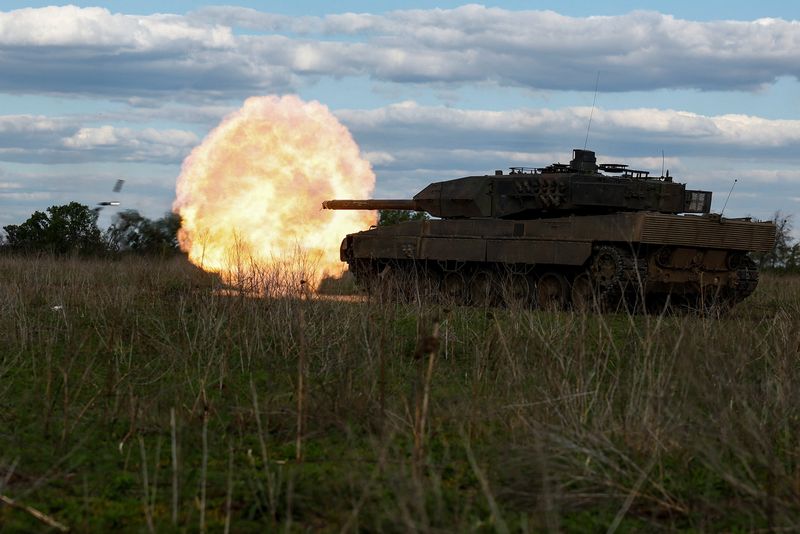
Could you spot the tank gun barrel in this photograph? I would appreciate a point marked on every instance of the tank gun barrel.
(371, 205)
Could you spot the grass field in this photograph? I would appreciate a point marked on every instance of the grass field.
(136, 396)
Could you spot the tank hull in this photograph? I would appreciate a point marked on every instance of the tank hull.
(632, 258)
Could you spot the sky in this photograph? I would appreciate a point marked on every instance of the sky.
(91, 93)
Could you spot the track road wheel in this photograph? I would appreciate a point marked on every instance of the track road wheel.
(387, 285)
(483, 289)
(426, 285)
(516, 291)
(453, 288)
(551, 291)
(582, 293)
(608, 268)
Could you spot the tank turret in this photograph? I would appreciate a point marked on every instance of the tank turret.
(582, 187)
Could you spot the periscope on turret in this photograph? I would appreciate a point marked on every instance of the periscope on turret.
(565, 235)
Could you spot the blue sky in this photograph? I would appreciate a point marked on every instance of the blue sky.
(90, 95)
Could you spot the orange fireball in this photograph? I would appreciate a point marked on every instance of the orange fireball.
(250, 194)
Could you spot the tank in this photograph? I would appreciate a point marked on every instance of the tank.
(576, 235)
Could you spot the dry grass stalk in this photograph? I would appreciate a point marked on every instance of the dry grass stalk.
(174, 456)
(268, 475)
(632, 494)
(41, 516)
(204, 465)
(301, 381)
(229, 492)
(498, 521)
(148, 512)
(426, 352)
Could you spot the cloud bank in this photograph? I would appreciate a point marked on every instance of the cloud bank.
(408, 126)
(41, 139)
(231, 50)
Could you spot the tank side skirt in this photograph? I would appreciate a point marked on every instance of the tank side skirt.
(651, 228)
(685, 264)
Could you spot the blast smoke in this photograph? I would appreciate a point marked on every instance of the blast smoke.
(253, 188)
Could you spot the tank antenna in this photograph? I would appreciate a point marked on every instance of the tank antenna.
(594, 99)
(728, 198)
(662, 162)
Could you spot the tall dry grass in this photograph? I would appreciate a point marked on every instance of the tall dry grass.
(141, 395)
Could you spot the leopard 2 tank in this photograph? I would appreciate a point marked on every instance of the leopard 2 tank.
(567, 235)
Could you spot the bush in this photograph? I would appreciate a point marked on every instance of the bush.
(132, 232)
(71, 228)
(389, 217)
(785, 255)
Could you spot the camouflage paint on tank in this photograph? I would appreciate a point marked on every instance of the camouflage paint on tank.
(607, 229)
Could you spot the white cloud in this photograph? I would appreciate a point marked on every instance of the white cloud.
(37, 139)
(417, 131)
(93, 51)
(378, 157)
(128, 144)
(24, 124)
(97, 27)
(103, 136)
(768, 176)
(409, 124)
(25, 196)
(528, 48)
(88, 138)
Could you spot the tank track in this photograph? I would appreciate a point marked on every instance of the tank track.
(619, 276)
(746, 279)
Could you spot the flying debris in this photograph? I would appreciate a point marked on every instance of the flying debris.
(116, 189)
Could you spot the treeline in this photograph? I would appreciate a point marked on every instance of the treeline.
(72, 229)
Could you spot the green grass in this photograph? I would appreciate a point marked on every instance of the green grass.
(535, 421)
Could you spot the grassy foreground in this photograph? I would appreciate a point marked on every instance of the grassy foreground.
(135, 397)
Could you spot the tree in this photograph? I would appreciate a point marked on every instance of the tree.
(793, 259)
(131, 231)
(785, 255)
(71, 228)
(389, 217)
